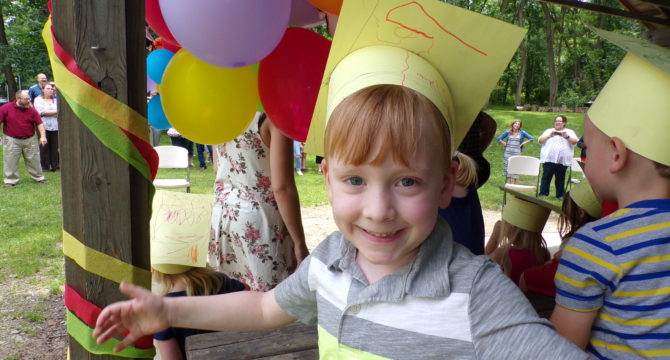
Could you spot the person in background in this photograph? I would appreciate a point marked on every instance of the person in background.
(19, 120)
(202, 159)
(257, 234)
(580, 207)
(556, 155)
(297, 156)
(612, 295)
(516, 242)
(36, 90)
(47, 106)
(464, 213)
(178, 140)
(513, 140)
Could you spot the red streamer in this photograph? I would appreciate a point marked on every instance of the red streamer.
(89, 312)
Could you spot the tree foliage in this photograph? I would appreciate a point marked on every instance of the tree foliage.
(24, 52)
(582, 61)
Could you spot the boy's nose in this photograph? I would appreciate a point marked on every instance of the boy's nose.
(379, 207)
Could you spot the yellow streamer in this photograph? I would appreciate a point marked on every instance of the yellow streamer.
(102, 264)
(93, 99)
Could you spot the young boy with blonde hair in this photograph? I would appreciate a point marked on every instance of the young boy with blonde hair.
(612, 282)
(391, 283)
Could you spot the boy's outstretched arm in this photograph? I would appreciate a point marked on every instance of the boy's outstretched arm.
(574, 325)
(147, 314)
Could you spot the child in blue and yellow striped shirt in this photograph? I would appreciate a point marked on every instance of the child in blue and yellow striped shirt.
(612, 282)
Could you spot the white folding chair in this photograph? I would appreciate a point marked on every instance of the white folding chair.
(523, 165)
(173, 157)
(575, 168)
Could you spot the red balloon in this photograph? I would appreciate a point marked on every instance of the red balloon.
(289, 80)
(154, 18)
(170, 46)
(331, 6)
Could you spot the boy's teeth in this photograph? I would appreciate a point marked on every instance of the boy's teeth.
(381, 234)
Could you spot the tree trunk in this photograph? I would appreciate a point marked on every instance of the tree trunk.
(7, 68)
(522, 54)
(551, 59)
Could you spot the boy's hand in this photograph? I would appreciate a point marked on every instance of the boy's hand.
(144, 314)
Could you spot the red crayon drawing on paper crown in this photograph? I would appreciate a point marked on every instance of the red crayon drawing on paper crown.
(400, 14)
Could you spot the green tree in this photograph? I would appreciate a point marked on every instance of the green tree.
(22, 51)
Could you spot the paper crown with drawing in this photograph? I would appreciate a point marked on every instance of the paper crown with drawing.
(452, 56)
(179, 231)
(634, 105)
(526, 212)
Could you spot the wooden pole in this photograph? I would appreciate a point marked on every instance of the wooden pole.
(105, 200)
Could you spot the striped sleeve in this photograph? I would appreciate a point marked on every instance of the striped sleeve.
(587, 270)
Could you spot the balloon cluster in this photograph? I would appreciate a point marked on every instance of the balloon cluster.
(221, 57)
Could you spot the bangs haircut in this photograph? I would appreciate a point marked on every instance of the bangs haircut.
(397, 118)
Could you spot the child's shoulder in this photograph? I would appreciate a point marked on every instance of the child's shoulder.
(618, 229)
(334, 246)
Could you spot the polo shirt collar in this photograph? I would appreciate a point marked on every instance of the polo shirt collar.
(426, 276)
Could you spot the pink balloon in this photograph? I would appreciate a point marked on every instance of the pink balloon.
(227, 33)
(305, 14)
(289, 80)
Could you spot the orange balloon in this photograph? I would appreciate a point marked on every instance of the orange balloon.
(331, 6)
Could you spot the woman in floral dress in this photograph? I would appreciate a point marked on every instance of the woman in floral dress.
(257, 234)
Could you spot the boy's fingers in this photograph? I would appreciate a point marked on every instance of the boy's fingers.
(127, 341)
(108, 331)
(130, 290)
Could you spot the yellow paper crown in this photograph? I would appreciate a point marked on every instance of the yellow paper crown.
(452, 56)
(527, 212)
(634, 105)
(583, 195)
(179, 231)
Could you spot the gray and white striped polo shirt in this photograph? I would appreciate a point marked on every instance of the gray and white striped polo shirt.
(447, 304)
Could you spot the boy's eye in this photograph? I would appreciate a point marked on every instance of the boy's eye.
(355, 180)
(407, 182)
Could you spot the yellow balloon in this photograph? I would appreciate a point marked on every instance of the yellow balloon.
(205, 103)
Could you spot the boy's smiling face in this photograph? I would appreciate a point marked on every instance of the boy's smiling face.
(387, 211)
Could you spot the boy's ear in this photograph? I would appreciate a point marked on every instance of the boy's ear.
(448, 182)
(619, 155)
(324, 166)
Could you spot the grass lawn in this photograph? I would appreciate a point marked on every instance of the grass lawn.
(30, 229)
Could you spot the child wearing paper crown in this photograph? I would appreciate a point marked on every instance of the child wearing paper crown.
(516, 242)
(580, 207)
(612, 282)
(464, 213)
(178, 242)
(392, 284)
(170, 343)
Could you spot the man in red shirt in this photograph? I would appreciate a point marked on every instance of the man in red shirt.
(18, 120)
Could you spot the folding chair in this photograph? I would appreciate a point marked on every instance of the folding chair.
(575, 168)
(173, 157)
(523, 165)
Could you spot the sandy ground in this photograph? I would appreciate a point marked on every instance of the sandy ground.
(318, 223)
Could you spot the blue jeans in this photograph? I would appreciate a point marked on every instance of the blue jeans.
(296, 154)
(201, 154)
(548, 171)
